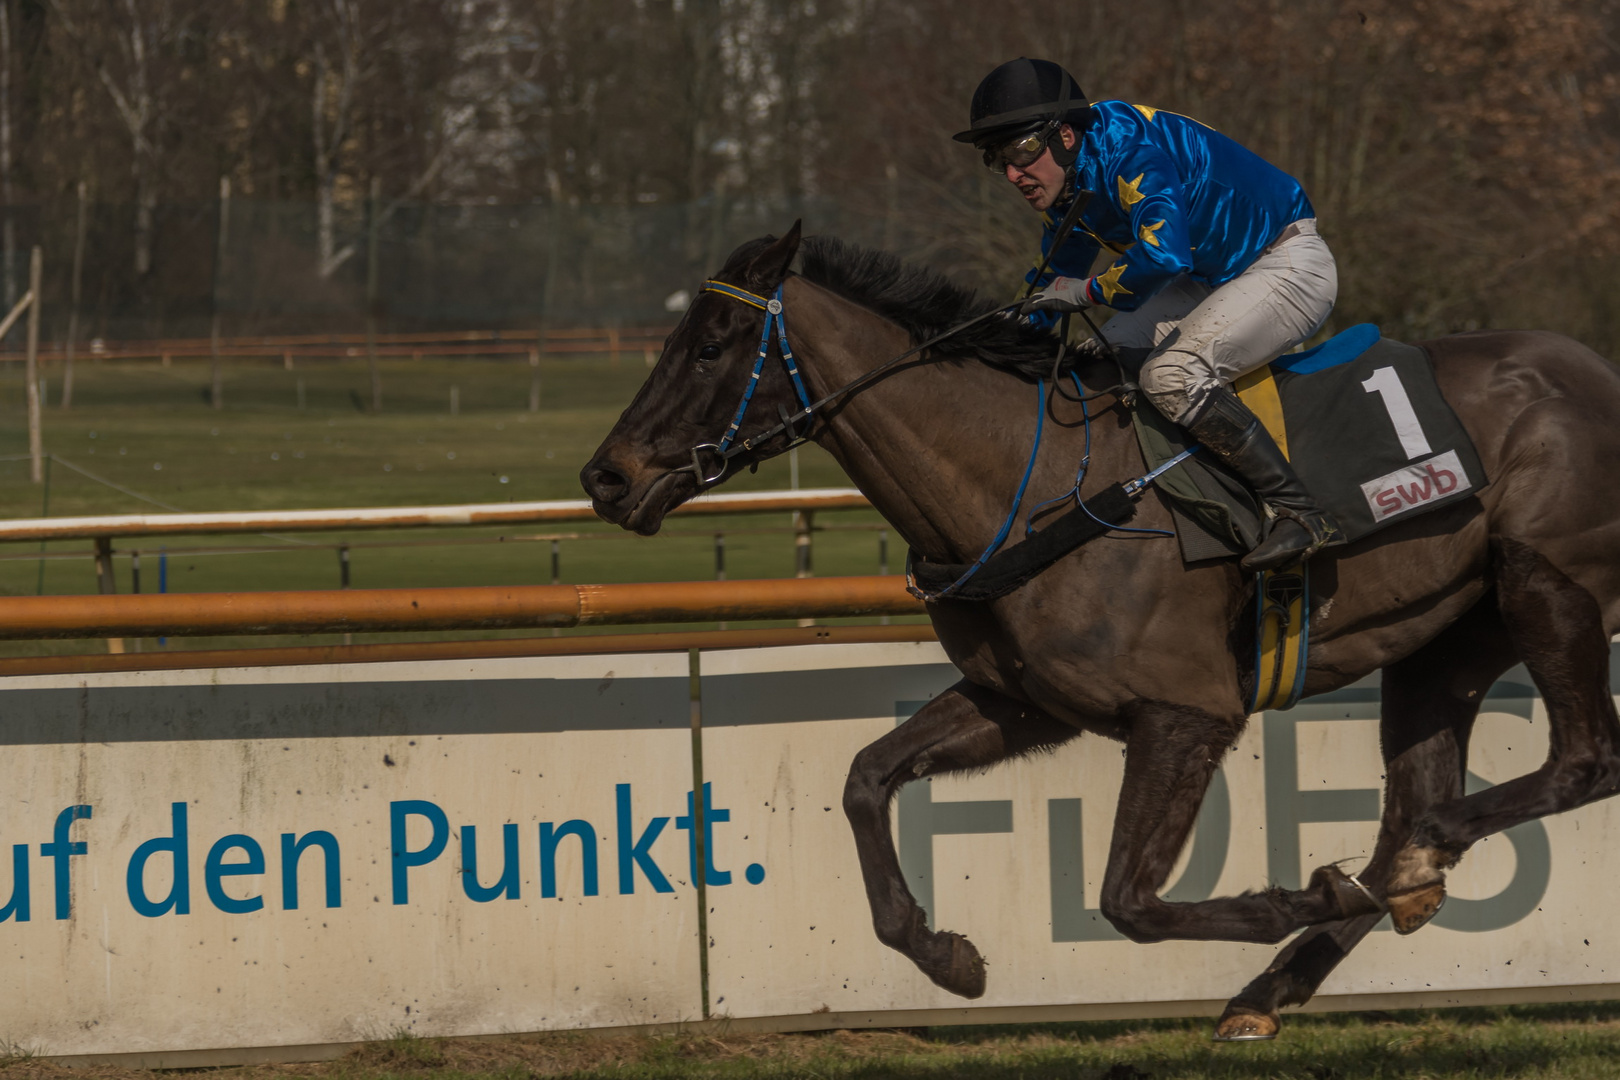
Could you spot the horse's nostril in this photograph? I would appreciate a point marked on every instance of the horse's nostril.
(603, 483)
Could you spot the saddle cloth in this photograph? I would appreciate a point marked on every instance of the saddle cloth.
(1359, 417)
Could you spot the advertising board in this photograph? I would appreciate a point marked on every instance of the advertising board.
(223, 865)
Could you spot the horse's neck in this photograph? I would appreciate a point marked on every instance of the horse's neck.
(938, 447)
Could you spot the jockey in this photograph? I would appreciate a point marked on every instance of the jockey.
(1215, 265)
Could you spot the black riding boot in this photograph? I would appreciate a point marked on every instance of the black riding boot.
(1301, 527)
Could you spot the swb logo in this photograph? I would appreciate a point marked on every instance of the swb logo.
(1415, 485)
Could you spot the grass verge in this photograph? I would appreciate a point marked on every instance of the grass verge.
(1562, 1042)
(149, 430)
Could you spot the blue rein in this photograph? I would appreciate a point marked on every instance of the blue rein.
(1012, 515)
(775, 318)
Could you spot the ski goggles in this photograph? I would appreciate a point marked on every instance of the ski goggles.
(1021, 152)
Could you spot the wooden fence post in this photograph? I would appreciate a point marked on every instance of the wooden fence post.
(534, 380)
(556, 573)
(36, 443)
(372, 224)
(216, 391)
(883, 562)
(106, 583)
(74, 295)
(803, 525)
(720, 563)
(343, 581)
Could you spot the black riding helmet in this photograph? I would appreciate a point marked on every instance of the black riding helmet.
(1023, 96)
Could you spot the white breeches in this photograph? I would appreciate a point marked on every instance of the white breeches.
(1203, 338)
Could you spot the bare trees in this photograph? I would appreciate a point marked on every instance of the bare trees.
(130, 47)
(337, 62)
(8, 227)
(1459, 152)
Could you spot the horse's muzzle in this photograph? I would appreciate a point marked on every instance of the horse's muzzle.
(631, 502)
(608, 488)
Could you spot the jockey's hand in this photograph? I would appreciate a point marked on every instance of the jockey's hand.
(1063, 295)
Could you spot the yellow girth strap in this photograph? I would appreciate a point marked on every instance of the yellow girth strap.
(1283, 633)
(1282, 628)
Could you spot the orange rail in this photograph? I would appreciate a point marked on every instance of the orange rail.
(467, 608)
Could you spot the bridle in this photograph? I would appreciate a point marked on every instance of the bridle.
(724, 450)
(728, 447)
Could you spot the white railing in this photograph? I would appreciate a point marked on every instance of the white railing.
(403, 517)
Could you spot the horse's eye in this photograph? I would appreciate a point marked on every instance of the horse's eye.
(710, 351)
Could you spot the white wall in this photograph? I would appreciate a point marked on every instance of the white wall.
(606, 740)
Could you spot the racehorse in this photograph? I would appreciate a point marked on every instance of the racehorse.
(1124, 640)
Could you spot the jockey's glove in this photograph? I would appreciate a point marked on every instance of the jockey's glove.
(1063, 295)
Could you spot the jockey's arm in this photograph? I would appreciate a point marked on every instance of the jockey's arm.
(1074, 260)
(1147, 191)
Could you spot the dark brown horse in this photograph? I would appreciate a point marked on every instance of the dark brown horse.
(1123, 640)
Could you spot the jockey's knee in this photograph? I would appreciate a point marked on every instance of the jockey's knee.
(1175, 386)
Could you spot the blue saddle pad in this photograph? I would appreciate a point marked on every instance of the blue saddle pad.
(1341, 348)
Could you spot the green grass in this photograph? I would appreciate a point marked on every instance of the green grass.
(150, 430)
(1564, 1042)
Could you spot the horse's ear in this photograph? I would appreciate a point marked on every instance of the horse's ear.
(767, 269)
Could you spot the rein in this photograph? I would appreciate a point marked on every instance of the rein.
(1011, 569)
(727, 448)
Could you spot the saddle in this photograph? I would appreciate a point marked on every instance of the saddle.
(1368, 464)
(1359, 417)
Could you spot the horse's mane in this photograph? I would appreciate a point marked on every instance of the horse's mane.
(926, 303)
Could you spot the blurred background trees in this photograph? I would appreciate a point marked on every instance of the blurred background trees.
(580, 161)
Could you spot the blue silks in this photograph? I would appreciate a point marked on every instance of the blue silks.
(1171, 196)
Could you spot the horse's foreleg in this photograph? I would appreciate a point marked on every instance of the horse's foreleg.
(966, 727)
(1170, 756)
(1430, 701)
(1557, 627)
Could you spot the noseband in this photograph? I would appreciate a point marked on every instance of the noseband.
(724, 450)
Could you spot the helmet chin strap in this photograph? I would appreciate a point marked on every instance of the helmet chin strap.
(1070, 186)
(1065, 157)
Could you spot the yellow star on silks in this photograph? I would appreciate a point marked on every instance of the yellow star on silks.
(1109, 283)
(1146, 110)
(1148, 231)
(1129, 196)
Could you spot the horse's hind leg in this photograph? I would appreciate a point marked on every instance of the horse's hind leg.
(1171, 754)
(966, 727)
(1557, 628)
(1430, 702)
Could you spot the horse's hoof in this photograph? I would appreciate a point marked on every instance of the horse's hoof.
(1351, 897)
(964, 975)
(1410, 910)
(1239, 1024)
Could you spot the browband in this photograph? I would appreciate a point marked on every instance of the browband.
(772, 306)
